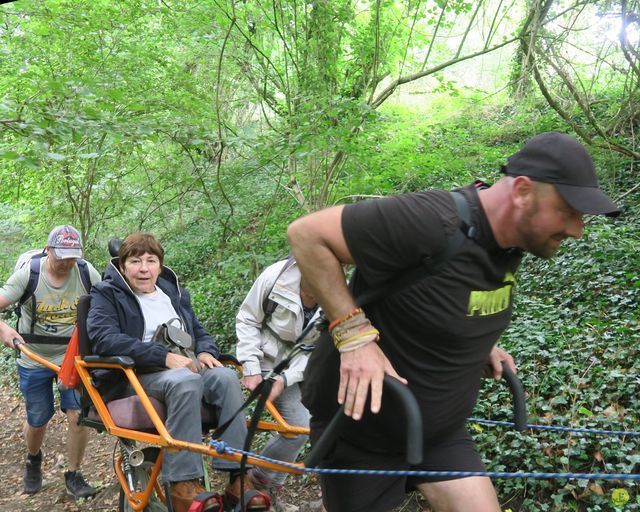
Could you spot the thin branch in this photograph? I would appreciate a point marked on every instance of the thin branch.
(409, 37)
(627, 51)
(376, 51)
(388, 91)
(357, 196)
(568, 119)
(433, 37)
(631, 190)
(227, 220)
(250, 43)
(282, 38)
(468, 29)
(492, 26)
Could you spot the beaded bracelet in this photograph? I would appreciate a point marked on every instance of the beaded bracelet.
(344, 318)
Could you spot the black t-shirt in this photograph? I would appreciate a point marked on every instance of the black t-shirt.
(437, 333)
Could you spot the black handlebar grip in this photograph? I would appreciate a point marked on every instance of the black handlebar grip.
(414, 426)
(414, 418)
(114, 247)
(517, 392)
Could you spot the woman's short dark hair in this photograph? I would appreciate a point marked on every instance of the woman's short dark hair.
(136, 244)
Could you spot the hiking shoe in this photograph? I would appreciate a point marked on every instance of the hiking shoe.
(257, 500)
(77, 486)
(182, 494)
(32, 480)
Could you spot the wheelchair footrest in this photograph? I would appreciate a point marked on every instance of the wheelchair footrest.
(206, 502)
(254, 501)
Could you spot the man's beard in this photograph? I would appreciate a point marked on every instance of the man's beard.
(540, 246)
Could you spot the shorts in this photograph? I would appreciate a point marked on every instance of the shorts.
(36, 385)
(379, 493)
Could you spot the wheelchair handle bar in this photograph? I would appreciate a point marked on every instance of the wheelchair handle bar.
(414, 426)
(414, 418)
(517, 393)
(114, 247)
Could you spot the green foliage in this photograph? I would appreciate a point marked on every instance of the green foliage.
(574, 337)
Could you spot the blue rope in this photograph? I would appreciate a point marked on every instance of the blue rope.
(561, 429)
(221, 447)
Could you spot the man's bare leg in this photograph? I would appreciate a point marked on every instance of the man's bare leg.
(473, 494)
(33, 436)
(77, 438)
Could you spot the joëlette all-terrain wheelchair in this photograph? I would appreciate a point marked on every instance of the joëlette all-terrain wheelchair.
(137, 422)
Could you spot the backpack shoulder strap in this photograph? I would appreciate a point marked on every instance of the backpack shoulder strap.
(464, 214)
(269, 305)
(430, 265)
(85, 275)
(30, 290)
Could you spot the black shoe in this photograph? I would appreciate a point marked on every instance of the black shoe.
(77, 486)
(32, 481)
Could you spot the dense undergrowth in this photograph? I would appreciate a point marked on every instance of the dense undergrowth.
(576, 327)
(575, 338)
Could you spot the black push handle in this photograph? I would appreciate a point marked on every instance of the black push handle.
(114, 247)
(517, 392)
(402, 394)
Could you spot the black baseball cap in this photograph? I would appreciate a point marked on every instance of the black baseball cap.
(559, 159)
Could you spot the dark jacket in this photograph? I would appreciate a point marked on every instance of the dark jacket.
(116, 324)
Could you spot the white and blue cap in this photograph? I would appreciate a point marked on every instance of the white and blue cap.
(65, 242)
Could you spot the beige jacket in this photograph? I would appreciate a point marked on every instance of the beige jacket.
(261, 349)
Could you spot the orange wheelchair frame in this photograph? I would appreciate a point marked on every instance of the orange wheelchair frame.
(133, 496)
(138, 499)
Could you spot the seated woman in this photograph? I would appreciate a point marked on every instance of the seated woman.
(136, 296)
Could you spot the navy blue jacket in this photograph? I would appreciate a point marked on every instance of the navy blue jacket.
(116, 324)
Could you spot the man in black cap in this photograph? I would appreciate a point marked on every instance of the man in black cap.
(46, 286)
(439, 334)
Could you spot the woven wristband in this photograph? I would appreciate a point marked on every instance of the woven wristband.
(354, 332)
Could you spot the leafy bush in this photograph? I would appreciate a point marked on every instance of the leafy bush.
(574, 337)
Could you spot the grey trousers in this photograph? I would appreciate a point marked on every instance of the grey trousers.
(290, 406)
(182, 392)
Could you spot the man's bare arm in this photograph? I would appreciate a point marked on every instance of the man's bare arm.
(7, 333)
(319, 247)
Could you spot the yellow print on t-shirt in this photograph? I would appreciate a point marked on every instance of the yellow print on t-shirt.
(490, 302)
(56, 309)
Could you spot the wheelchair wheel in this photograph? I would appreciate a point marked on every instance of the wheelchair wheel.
(141, 475)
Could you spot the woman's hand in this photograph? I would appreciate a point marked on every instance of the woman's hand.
(208, 360)
(178, 361)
